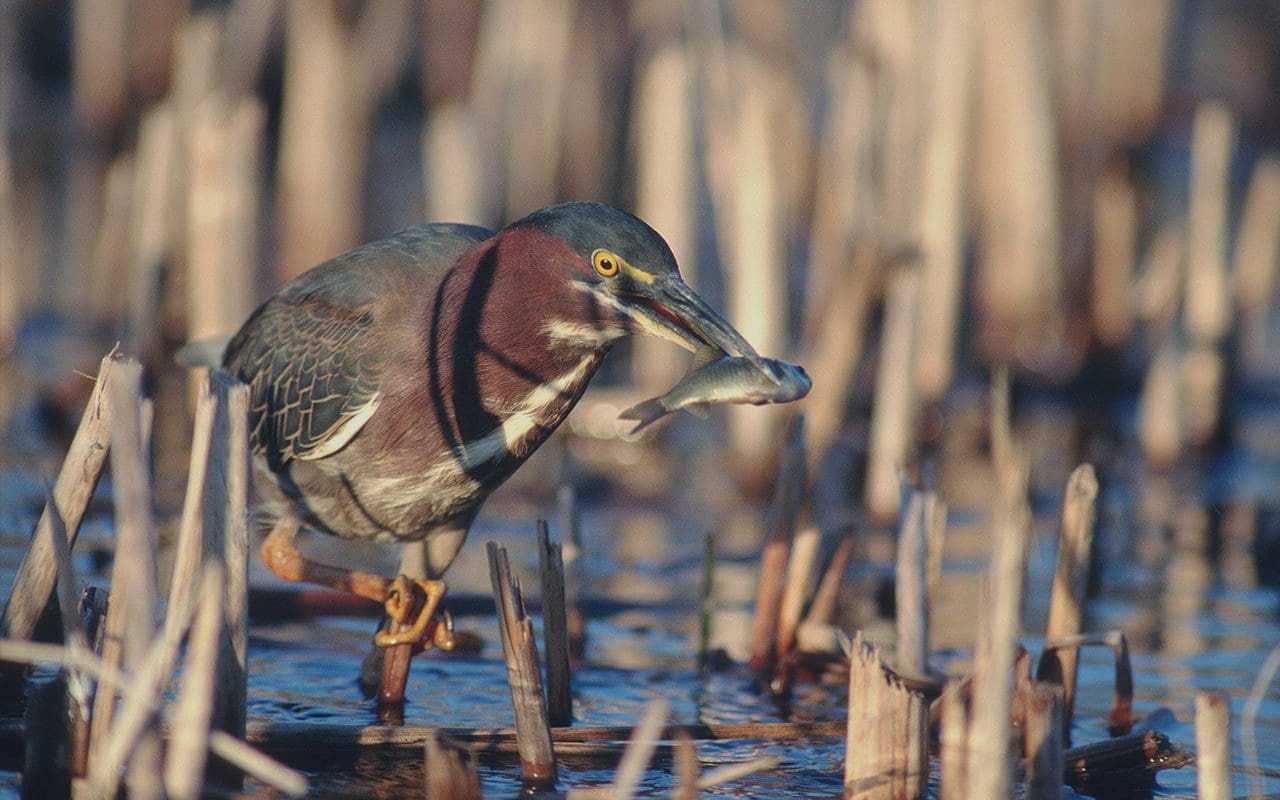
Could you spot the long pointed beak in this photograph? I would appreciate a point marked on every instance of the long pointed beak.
(669, 309)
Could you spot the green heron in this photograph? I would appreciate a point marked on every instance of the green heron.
(394, 387)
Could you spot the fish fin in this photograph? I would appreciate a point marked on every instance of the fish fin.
(645, 414)
(699, 410)
(705, 355)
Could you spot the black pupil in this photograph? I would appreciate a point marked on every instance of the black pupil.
(606, 265)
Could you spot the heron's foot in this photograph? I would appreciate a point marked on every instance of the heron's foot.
(416, 616)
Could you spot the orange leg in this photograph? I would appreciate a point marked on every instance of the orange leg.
(411, 604)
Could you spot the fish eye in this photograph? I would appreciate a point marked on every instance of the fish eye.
(606, 263)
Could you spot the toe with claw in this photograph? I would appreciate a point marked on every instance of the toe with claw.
(412, 606)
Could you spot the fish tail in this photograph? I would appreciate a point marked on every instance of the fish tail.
(645, 414)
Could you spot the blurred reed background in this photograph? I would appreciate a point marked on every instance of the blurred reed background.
(898, 194)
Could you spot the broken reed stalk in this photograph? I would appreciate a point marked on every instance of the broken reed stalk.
(732, 772)
(798, 586)
(79, 687)
(1018, 283)
(554, 630)
(131, 614)
(189, 552)
(1207, 308)
(838, 347)
(136, 726)
(1213, 746)
(911, 587)
(1045, 739)
(34, 582)
(533, 731)
(93, 613)
(43, 765)
(1066, 608)
(686, 769)
(340, 739)
(110, 245)
(894, 405)
(639, 752)
(954, 743)
(222, 212)
(569, 518)
(1254, 259)
(322, 140)
(1115, 233)
(756, 293)
(988, 774)
(234, 751)
(780, 525)
(942, 219)
(227, 513)
(1207, 302)
(887, 747)
(14, 274)
(666, 185)
(823, 607)
(152, 222)
(193, 710)
(935, 536)
(706, 601)
(449, 775)
(50, 746)
(1161, 411)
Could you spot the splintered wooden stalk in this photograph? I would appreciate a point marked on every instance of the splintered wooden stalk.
(823, 607)
(886, 753)
(131, 614)
(988, 773)
(232, 750)
(1069, 579)
(569, 517)
(1213, 746)
(910, 587)
(135, 724)
(644, 740)
(687, 768)
(1257, 246)
(706, 606)
(955, 726)
(37, 574)
(189, 744)
(228, 513)
(780, 523)
(554, 629)
(189, 554)
(894, 405)
(533, 730)
(800, 568)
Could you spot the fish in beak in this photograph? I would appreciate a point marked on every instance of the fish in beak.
(669, 309)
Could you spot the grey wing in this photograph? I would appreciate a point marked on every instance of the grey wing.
(313, 372)
(313, 355)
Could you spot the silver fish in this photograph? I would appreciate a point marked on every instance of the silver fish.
(728, 380)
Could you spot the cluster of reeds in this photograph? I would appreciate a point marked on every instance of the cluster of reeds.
(106, 717)
(807, 163)
(992, 725)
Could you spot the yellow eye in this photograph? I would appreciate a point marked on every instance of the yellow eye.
(606, 263)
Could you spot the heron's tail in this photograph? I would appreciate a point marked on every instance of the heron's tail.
(203, 352)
